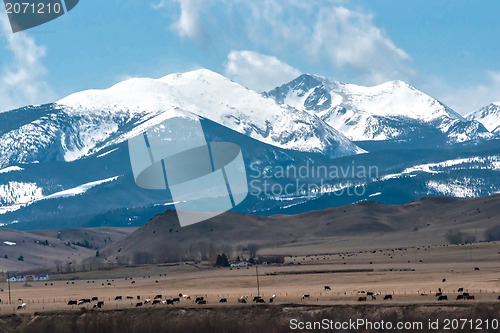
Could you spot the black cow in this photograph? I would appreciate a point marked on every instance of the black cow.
(138, 304)
(158, 296)
(118, 298)
(95, 299)
(130, 297)
(499, 298)
(72, 302)
(203, 301)
(171, 301)
(443, 298)
(176, 299)
(223, 300)
(199, 299)
(466, 294)
(460, 297)
(256, 298)
(460, 290)
(100, 304)
(328, 288)
(362, 299)
(156, 301)
(387, 297)
(259, 300)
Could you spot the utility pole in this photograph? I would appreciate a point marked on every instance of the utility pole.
(258, 286)
(8, 283)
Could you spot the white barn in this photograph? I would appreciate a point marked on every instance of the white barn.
(17, 279)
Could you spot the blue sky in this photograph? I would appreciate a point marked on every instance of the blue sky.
(448, 49)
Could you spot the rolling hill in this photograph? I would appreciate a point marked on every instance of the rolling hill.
(361, 226)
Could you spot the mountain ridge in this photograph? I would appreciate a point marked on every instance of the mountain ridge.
(389, 111)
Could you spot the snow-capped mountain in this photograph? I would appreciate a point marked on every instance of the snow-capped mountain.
(390, 111)
(206, 94)
(489, 116)
(66, 164)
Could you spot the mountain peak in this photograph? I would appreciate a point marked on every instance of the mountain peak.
(488, 115)
(198, 74)
(210, 95)
(377, 112)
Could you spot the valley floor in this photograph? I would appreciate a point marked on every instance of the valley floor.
(410, 276)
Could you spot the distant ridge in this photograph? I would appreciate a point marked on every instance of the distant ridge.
(362, 225)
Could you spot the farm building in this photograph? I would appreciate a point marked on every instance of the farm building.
(18, 278)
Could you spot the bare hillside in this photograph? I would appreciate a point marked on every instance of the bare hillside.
(365, 225)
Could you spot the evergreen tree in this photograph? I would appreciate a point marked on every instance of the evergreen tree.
(224, 261)
(218, 263)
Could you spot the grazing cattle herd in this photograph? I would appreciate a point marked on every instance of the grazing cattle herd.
(161, 299)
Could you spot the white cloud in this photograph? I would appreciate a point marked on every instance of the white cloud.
(468, 98)
(314, 32)
(159, 5)
(350, 39)
(323, 31)
(21, 80)
(258, 71)
(189, 23)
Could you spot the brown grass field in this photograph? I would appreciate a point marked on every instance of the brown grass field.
(411, 261)
(411, 275)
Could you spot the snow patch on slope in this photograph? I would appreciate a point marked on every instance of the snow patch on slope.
(15, 195)
(11, 169)
(460, 188)
(79, 189)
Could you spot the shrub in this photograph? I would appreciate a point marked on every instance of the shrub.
(492, 234)
(458, 237)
